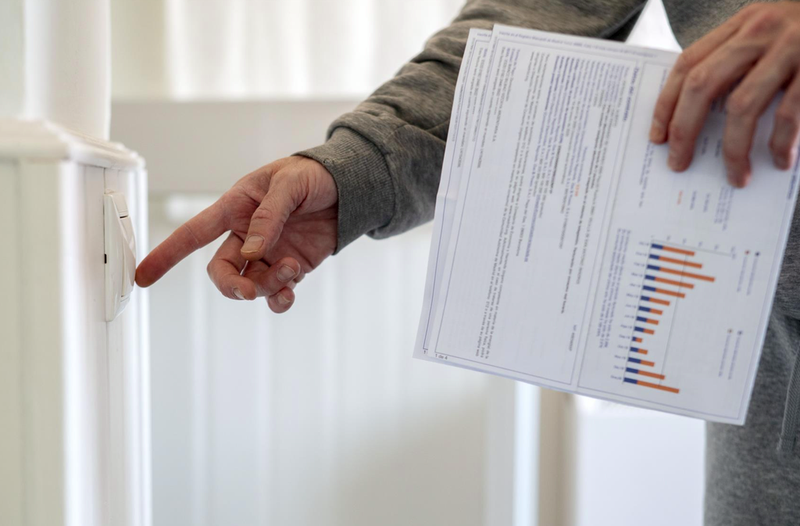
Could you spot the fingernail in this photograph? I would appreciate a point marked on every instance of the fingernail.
(656, 132)
(238, 294)
(737, 180)
(283, 300)
(252, 244)
(744, 180)
(785, 162)
(285, 273)
(673, 161)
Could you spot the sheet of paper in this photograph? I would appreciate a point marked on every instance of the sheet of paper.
(460, 141)
(567, 255)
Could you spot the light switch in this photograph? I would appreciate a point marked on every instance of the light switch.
(120, 254)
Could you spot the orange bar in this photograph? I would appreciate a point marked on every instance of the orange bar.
(676, 283)
(660, 302)
(656, 386)
(652, 375)
(649, 364)
(637, 340)
(677, 250)
(679, 262)
(642, 351)
(686, 274)
(656, 311)
(648, 320)
(648, 331)
(671, 293)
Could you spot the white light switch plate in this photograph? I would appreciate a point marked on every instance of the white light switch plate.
(120, 254)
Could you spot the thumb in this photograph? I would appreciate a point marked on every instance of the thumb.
(266, 223)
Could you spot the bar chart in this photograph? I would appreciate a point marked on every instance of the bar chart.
(671, 273)
(674, 325)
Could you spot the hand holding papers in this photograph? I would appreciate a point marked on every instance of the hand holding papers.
(565, 252)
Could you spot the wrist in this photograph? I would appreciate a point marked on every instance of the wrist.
(363, 183)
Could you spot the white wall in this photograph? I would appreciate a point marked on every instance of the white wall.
(246, 49)
(12, 58)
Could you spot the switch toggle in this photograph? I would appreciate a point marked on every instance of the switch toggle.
(120, 253)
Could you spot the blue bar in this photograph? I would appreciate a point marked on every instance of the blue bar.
(638, 329)
(646, 309)
(655, 256)
(639, 318)
(653, 267)
(645, 298)
(635, 349)
(634, 360)
(647, 287)
(633, 338)
(630, 370)
(629, 380)
(658, 247)
(650, 278)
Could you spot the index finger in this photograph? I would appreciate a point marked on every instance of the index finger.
(196, 233)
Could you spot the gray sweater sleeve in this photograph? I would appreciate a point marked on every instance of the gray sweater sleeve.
(386, 156)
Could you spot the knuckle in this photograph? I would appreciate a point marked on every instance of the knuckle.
(764, 20)
(745, 47)
(280, 177)
(740, 104)
(262, 215)
(677, 134)
(193, 241)
(684, 62)
(271, 286)
(697, 80)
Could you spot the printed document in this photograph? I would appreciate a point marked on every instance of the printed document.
(566, 254)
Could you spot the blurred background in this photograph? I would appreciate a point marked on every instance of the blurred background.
(320, 416)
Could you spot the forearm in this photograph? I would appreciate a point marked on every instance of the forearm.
(386, 156)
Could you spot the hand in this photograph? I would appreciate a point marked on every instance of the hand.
(282, 220)
(761, 46)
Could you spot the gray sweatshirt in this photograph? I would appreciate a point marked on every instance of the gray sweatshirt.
(386, 158)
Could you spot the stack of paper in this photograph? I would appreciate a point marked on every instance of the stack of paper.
(565, 252)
